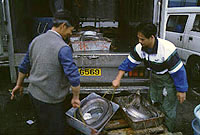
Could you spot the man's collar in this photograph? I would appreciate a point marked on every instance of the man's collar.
(56, 33)
(62, 21)
(152, 50)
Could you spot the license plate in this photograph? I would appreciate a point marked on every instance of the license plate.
(90, 71)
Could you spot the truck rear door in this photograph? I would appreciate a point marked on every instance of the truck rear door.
(98, 69)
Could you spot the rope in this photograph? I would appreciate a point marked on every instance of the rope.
(113, 92)
(80, 112)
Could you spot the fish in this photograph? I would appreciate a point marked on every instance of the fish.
(137, 109)
(134, 112)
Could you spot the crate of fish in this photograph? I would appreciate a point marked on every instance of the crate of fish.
(93, 114)
(90, 41)
(139, 113)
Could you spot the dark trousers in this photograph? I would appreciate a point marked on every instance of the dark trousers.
(50, 117)
(168, 103)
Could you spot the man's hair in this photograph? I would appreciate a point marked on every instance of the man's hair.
(147, 29)
(64, 16)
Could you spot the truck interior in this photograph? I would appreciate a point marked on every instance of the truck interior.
(116, 19)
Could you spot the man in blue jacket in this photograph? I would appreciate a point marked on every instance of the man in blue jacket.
(52, 72)
(168, 80)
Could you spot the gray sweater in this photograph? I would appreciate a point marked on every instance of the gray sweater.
(47, 80)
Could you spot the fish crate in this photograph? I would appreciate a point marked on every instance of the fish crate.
(91, 45)
(137, 124)
(90, 41)
(83, 127)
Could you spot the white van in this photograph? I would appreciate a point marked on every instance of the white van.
(183, 29)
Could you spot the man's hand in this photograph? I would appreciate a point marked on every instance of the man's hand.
(75, 102)
(17, 88)
(75, 99)
(116, 83)
(181, 96)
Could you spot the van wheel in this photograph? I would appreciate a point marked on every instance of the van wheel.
(194, 72)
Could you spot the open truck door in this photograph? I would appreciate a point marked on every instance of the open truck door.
(7, 38)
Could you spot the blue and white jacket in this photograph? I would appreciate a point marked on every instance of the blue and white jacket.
(162, 58)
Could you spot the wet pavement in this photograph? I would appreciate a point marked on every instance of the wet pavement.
(15, 114)
(185, 113)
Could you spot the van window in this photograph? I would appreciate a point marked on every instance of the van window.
(176, 23)
(183, 3)
(196, 25)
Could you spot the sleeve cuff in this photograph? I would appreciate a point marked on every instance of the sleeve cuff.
(22, 70)
(75, 84)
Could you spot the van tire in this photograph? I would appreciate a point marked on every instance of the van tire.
(193, 71)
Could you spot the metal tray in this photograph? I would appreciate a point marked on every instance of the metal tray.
(87, 130)
(90, 41)
(91, 45)
(140, 124)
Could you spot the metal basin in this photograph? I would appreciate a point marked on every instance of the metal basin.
(139, 113)
(94, 112)
(81, 126)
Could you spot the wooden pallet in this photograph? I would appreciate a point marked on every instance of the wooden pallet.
(121, 127)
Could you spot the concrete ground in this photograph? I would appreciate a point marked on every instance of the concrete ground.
(185, 113)
(15, 114)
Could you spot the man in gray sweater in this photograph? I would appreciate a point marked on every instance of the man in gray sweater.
(52, 72)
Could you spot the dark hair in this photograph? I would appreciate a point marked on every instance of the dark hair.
(147, 29)
(64, 16)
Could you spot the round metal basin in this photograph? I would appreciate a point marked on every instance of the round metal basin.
(94, 112)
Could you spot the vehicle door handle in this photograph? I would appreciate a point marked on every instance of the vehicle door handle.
(76, 56)
(181, 37)
(190, 38)
(92, 57)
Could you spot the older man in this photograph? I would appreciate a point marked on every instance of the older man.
(52, 71)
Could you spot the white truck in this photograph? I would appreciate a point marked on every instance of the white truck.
(116, 19)
(183, 29)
